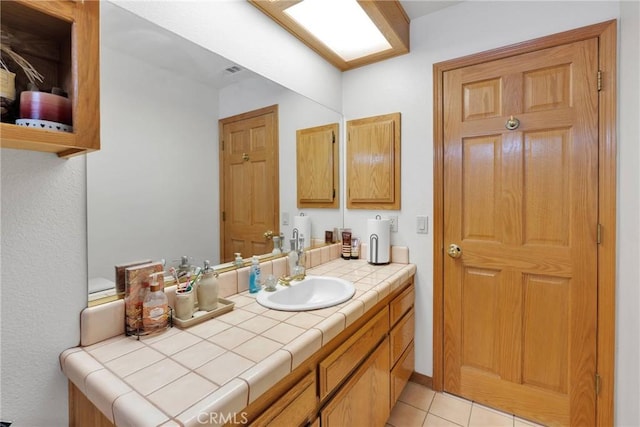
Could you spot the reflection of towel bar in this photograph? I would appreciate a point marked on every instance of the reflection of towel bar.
(373, 243)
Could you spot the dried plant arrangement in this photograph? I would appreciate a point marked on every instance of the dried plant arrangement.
(5, 49)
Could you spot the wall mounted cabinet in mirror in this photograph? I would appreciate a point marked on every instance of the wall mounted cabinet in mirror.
(317, 163)
(373, 162)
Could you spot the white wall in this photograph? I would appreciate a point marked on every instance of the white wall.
(159, 136)
(44, 281)
(627, 286)
(405, 84)
(294, 112)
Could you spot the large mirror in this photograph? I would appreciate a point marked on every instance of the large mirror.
(152, 189)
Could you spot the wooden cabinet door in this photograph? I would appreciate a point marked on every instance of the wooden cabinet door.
(364, 399)
(317, 167)
(520, 200)
(373, 162)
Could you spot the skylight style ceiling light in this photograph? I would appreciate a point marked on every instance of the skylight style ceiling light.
(347, 33)
(342, 25)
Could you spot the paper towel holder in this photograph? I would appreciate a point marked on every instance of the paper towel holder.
(374, 248)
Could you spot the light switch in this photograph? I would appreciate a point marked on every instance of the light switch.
(393, 223)
(422, 224)
(285, 218)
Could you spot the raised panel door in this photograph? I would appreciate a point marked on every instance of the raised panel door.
(249, 182)
(520, 302)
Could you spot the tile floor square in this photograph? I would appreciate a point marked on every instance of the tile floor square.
(419, 406)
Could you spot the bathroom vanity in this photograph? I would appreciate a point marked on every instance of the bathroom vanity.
(343, 365)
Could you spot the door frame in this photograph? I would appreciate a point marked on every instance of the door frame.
(271, 109)
(606, 32)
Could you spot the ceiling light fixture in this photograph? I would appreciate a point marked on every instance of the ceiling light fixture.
(351, 33)
(348, 33)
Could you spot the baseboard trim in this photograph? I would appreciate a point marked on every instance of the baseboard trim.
(421, 379)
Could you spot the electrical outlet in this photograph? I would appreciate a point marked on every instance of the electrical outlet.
(285, 218)
(393, 219)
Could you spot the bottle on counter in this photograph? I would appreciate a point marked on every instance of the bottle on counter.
(302, 256)
(207, 289)
(155, 307)
(238, 261)
(254, 275)
(293, 257)
(276, 246)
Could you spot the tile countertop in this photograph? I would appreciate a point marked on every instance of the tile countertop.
(181, 377)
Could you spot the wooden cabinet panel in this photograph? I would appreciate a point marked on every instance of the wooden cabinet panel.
(317, 163)
(83, 413)
(401, 373)
(373, 162)
(294, 408)
(339, 364)
(69, 32)
(364, 400)
(401, 336)
(401, 304)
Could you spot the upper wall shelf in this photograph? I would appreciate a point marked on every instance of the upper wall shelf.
(61, 40)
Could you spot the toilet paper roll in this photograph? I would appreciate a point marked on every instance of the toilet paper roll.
(302, 224)
(378, 240)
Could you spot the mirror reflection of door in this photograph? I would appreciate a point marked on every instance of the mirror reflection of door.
(249, 183)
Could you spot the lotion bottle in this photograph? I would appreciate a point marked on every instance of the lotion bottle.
(155, 307)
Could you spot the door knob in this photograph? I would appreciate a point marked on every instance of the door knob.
(454, 251)
(512, 123)
(268, 234)
(245, 156)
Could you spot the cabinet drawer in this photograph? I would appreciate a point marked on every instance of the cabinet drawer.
(294, 408)
(339, 364)
(401, 336)
(401, 304)
(401, 373)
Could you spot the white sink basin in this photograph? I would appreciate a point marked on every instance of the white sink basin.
(312, 293)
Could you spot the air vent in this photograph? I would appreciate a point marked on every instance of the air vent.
(233, 69)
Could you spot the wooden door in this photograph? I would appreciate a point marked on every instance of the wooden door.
(520, 299)
(249, 189)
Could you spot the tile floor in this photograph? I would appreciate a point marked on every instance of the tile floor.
(420, 406)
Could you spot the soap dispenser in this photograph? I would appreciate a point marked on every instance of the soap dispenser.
(238, 261)
(155, 307)
(207, 289)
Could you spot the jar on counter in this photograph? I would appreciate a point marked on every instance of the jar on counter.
(208, 289)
